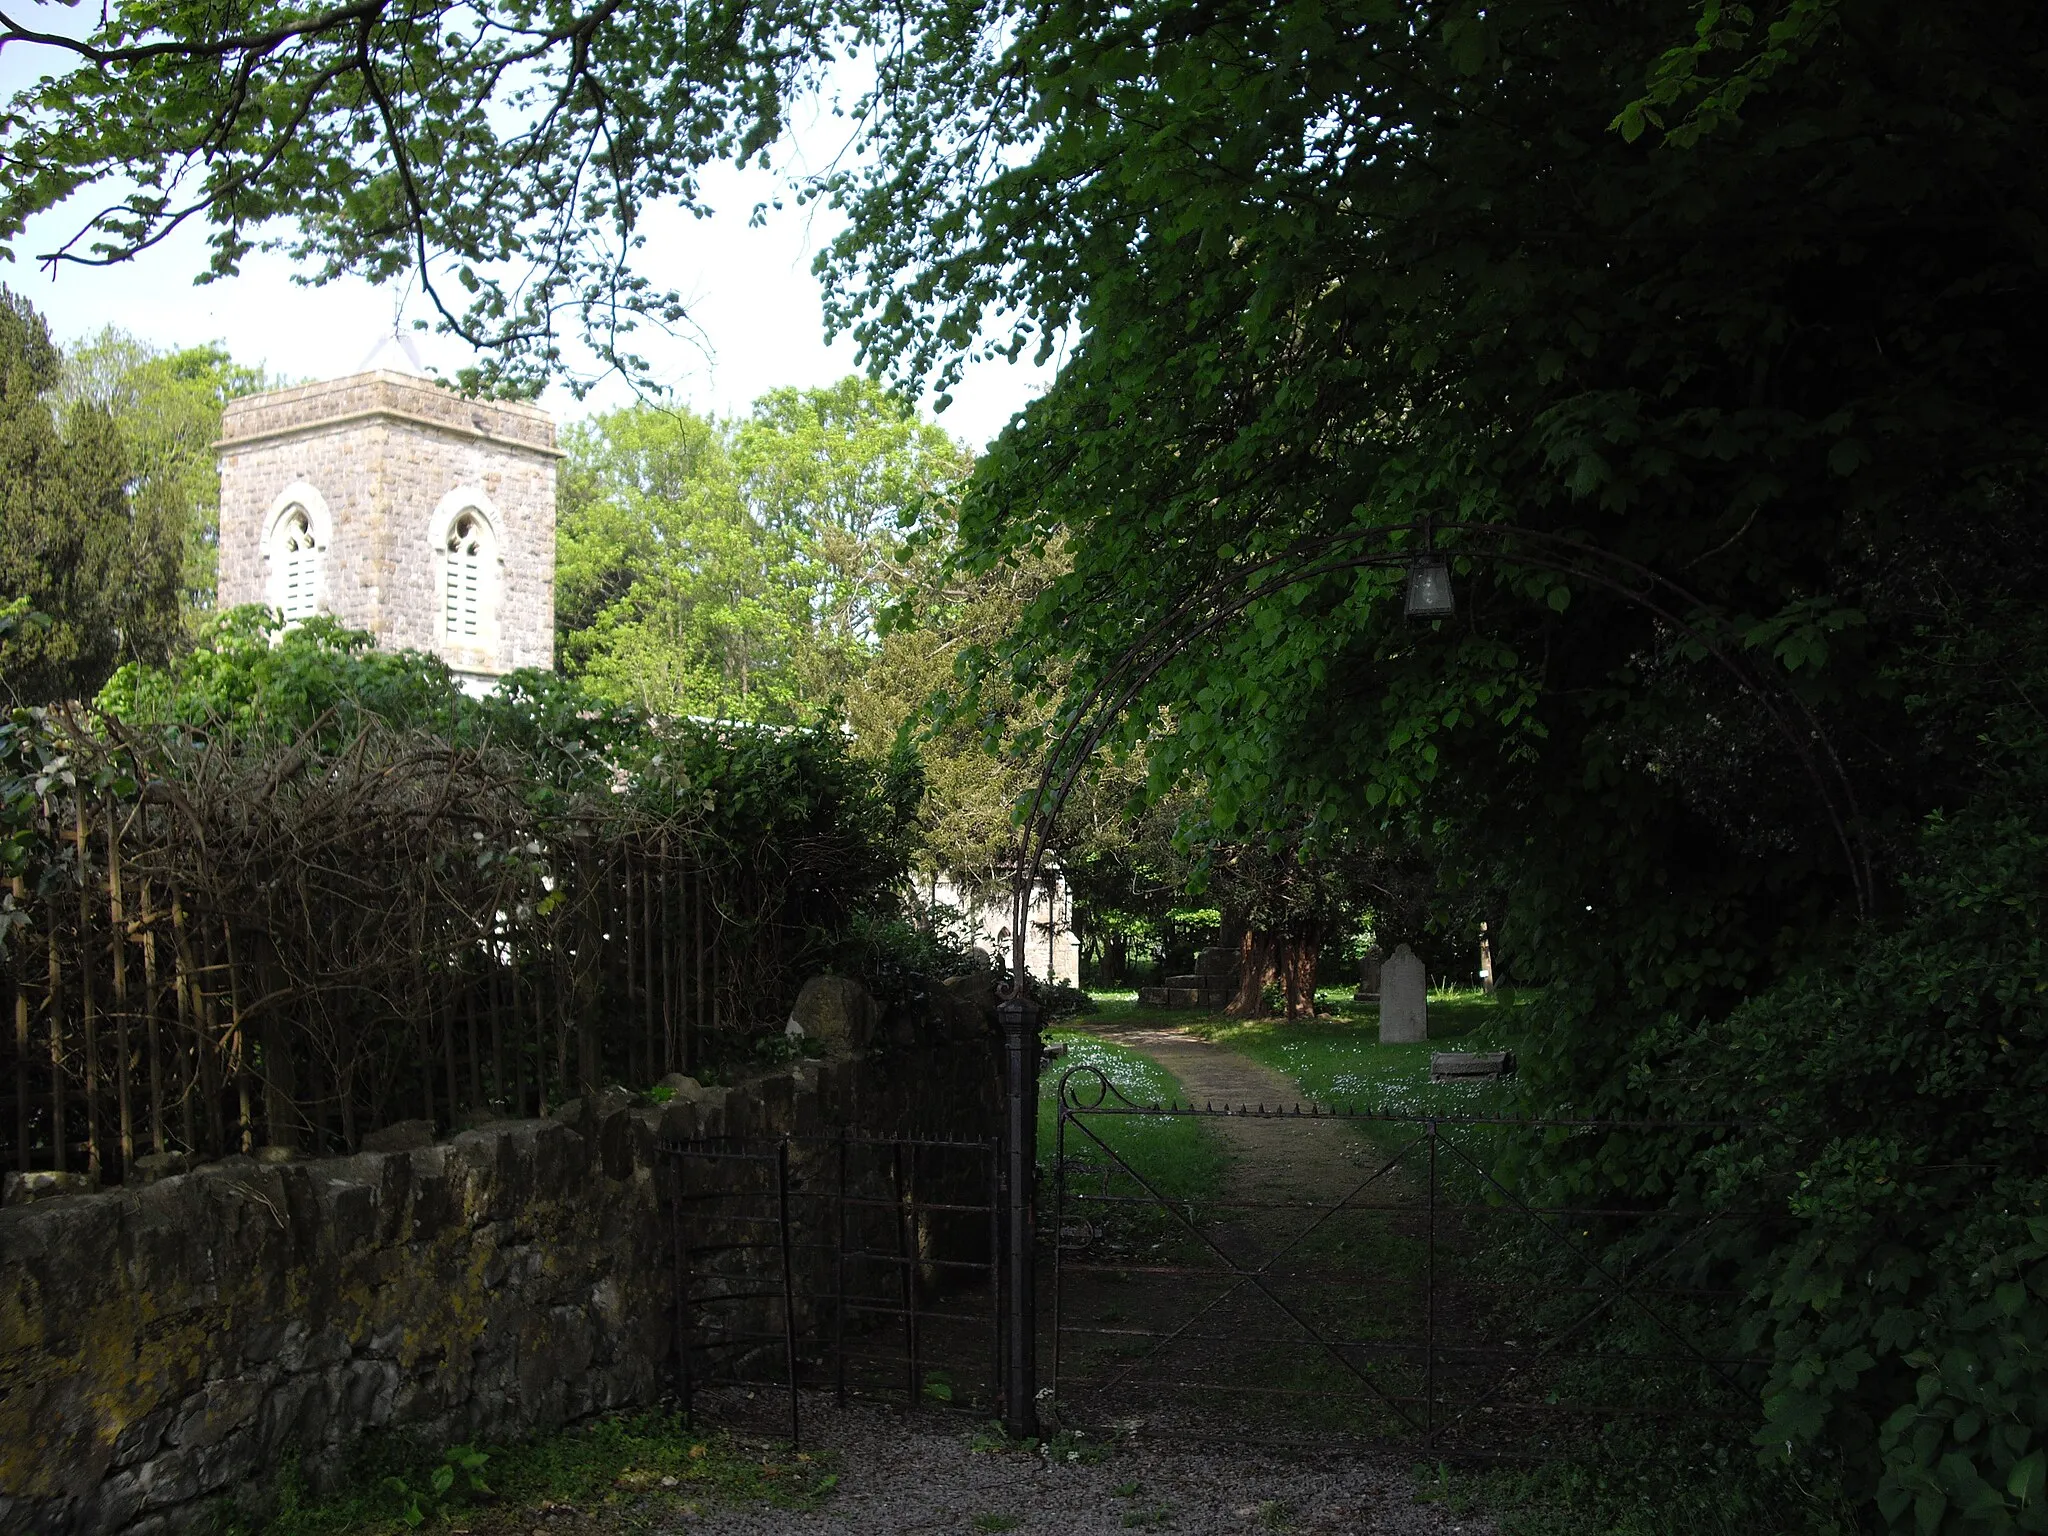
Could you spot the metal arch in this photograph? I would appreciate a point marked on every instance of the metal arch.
(1200, 613)
(1207, 609)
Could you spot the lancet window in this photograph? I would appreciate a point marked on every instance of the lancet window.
(466, 594)
(295, 565)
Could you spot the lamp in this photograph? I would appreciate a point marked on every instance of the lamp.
(1429, 588)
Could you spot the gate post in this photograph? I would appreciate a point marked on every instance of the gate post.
(1018, 1016)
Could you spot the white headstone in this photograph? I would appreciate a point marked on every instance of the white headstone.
(1404, 998)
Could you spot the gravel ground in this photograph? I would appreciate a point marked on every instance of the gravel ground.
(896, 1476)
(920, 1473)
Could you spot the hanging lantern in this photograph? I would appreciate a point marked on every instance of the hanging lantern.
(1429, 588)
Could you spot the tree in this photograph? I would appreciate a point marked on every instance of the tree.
(1758, 317)
(1328, 271)
(670, 595)
(853, 476)
(70, 546)
(501, 160)
(740, 567)
(166, 403)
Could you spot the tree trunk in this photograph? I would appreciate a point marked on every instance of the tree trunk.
(1298, 955)
(1257, 950)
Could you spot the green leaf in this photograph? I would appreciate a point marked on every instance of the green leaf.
(2028, 1478)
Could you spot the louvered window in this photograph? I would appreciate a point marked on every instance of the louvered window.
(463, 602)
(299, 565)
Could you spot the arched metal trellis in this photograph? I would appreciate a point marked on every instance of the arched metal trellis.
(1211, 607)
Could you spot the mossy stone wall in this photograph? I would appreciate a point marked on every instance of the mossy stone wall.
(165, 1348)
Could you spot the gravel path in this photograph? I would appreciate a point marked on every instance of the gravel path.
(921, 1476)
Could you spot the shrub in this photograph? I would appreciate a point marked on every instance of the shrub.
(361, 896)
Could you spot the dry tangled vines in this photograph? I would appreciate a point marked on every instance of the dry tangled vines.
(215, 945)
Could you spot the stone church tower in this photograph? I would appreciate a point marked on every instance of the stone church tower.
(398, 507)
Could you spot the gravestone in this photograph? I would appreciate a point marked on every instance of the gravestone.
(835, 1010)
(1470, 1066)
(1404, 999)
(1369, 965)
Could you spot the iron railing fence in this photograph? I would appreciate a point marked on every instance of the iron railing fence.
(204, 952)
(852, 1264)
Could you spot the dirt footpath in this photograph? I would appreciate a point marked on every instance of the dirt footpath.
(1307, 1159)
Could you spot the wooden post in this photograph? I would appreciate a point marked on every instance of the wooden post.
(280, 1083)
(149, 1015)
(280, 1073)
(186, 1001)
(540, 1057)
(495, 999)
(117, 918)
(668, 955)
(423, 1044)
(650, 941)
(345, 1097)
(476, 1059)
(17, 970)
(446, 1009)
(557, 963)
(53, 999)
(697, 913)
(86, 1002)
(623, 909)
(192, 1026)
(519, 1047)
(238, 1048)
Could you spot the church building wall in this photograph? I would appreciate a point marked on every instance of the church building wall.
(1052, 949)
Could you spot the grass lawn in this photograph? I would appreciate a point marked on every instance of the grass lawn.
(1337, 1059)
(624, 1472)
(1181, 1159)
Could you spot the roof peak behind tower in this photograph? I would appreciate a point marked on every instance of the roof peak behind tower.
(394, 353)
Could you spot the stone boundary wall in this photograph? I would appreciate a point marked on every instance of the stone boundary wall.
(163, 1349)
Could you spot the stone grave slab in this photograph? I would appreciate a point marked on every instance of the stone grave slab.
(1404, 998)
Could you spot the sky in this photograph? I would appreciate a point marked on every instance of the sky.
(751, 292)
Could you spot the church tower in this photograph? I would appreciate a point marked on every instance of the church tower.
(398, 507)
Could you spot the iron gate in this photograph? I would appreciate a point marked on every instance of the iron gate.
(863, 1265)
(1386, 1286)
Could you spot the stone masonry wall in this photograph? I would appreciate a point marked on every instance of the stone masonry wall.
(382, 449)
(164, 1348)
